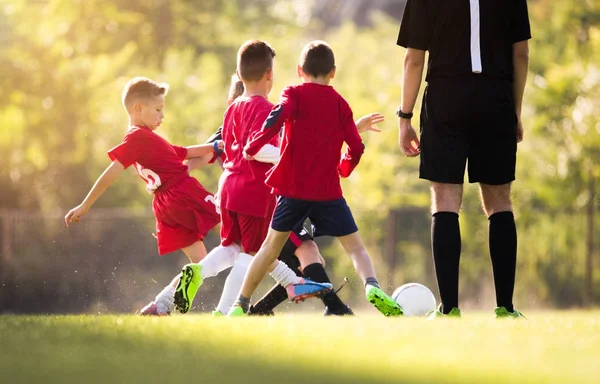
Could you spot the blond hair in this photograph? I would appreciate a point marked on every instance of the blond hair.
(236, 89)
(142, 88)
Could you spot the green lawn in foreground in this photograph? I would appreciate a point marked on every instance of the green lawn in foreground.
(550, 347)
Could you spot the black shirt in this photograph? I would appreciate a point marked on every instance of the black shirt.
(465, 37)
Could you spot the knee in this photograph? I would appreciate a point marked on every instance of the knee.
(446, 197)
(495, 199)
(308, 253)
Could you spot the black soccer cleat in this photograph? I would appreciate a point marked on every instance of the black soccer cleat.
(343, 311)
(253, 312)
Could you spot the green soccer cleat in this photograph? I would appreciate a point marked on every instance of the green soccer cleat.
(236, 311)
(383, 302)
(437, 314)
(189, 283)
(503, 313)
(217, 313)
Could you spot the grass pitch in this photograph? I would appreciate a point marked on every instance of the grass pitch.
(550, 347)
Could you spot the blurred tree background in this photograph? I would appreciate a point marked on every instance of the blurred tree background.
(63, 64)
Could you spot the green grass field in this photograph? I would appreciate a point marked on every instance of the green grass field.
(550, 347)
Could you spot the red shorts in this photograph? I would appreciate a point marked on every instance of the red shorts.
(184, 214)
(249, 231)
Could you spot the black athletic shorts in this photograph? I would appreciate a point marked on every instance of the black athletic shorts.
(470, 119)
(301, 232)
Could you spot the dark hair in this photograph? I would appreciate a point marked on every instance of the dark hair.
(254, 59)
(317, 58)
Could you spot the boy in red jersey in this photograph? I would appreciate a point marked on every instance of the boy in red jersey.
(317, 121)
(246, 202)
(184, 210)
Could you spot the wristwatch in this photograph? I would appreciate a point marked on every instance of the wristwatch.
(403, 115)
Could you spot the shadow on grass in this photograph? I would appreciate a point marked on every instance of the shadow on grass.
(78, 349)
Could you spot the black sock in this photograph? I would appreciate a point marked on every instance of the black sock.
(372, 281)
(503, 251)
(269, 301)
(316, 272)
(445, 244)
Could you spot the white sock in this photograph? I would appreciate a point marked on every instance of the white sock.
(164, 300)
(219, 259)
(233, 284)
(283, 275)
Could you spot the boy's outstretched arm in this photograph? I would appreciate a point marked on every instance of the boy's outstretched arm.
(355, 149)
(203, 149)
(199, 162)
(210, 152)
(367, 122)
(109, 176)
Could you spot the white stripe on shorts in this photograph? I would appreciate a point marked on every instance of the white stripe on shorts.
(475, 38)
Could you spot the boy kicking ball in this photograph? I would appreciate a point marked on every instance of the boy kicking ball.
(184, 210)
(317, 121)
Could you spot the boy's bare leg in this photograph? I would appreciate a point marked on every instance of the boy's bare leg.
(196, 251)
(264, 261)
(364, 267)
(354, 247)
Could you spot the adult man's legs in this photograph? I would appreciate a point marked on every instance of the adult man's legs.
(502, 240)
(446, 200)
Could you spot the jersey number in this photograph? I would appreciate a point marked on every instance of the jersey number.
(212, 199)
(150, 177)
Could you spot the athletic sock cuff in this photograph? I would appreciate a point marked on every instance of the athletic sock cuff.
(503, 214)
(445, 214)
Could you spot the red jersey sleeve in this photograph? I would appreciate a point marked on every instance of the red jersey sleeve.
(273, 123)
(180, 151)
(356, 147)
(129, 151)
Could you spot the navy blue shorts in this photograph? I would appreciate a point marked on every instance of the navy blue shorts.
(328, 218)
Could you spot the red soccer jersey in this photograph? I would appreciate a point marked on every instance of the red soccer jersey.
(242, 187)
(158, 162)
(317, 122)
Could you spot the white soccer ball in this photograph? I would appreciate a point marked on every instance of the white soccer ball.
(415, 299)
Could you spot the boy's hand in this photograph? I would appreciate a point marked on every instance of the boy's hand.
(367, 123)
(247, 156)
(75, 214)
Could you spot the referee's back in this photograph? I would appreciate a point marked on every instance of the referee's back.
(466, 37)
